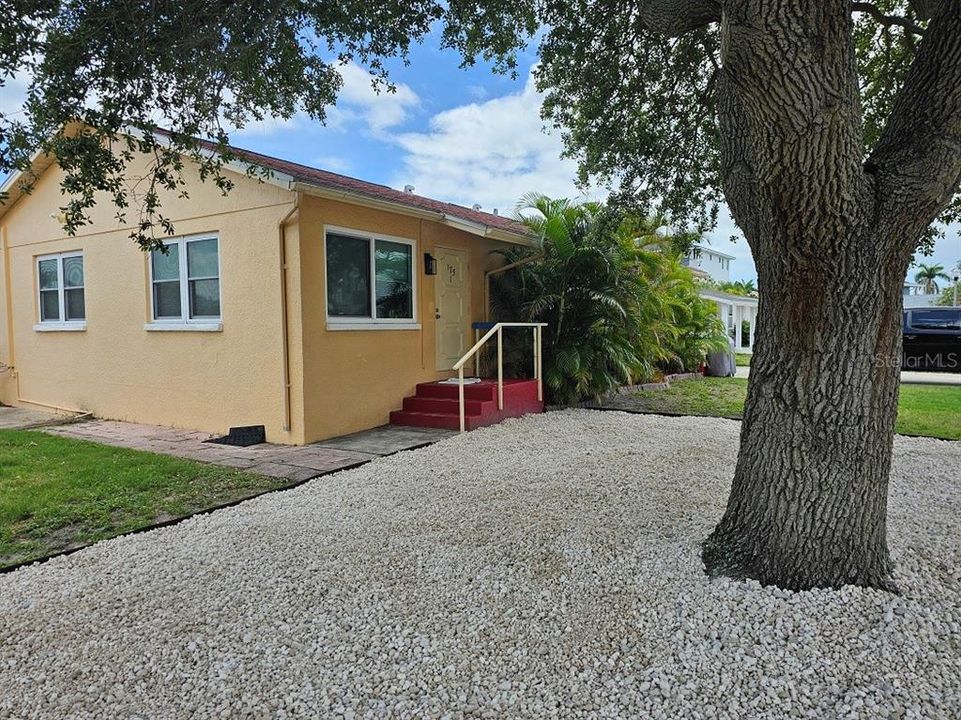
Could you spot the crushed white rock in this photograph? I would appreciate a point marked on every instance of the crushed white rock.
(545, 567)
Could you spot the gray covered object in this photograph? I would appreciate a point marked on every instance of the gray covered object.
(722, 363)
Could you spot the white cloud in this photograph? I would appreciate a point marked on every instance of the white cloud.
(379, 109)
(271, 125)
(490, 152)
(358, 103)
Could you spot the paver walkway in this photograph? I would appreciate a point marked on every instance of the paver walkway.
(17, 418)
(292, 462)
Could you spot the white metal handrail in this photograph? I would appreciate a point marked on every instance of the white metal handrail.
(498, 329)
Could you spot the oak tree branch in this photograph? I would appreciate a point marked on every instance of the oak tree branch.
(887, 20)
(917, 161)
(677, 17)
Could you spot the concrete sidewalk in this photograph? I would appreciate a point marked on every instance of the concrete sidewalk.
(908, 377)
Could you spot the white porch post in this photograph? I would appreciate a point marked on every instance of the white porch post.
(753, 322)
(738, 311)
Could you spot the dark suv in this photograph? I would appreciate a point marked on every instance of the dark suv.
(932, 339)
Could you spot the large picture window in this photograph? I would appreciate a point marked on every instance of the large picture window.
(61, 286)
(370, 279)
(185, 280)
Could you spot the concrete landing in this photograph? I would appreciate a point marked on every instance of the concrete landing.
(18, 418)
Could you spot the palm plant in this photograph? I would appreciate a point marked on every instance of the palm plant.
(577, 288)
(928, 276)
(699, 329)
(611, 298)
(738, 287)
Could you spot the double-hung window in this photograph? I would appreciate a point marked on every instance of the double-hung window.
(185, 282)
(370, 280)
(60, 282)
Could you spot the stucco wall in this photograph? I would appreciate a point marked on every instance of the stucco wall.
(115, 368)
(354, 378)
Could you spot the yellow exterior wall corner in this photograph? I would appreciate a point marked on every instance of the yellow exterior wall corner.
(115, 368)
(300, 379)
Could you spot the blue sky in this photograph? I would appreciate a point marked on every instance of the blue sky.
(466, 135)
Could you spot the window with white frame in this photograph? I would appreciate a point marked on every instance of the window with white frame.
(60, 282)
(185, 280)
(370, 278)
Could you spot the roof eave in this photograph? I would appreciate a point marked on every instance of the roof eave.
(473, 228)
(39, 163)
(709, 294)
(513, 238)
(13, 185)
(712, 249)
(238, 165)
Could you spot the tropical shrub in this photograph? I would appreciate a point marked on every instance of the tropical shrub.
(744, 288)
(949, 294)
(617, 302)
(700, 330)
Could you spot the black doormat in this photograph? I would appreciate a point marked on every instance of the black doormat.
(243, 436)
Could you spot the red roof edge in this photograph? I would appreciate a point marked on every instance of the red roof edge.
(361, 188)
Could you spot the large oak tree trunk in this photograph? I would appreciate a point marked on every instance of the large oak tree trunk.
(808, 502)
(809, 496)
(832, 233)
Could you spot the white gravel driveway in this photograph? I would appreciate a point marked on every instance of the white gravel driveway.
(544, 567)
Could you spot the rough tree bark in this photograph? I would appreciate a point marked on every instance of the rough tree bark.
(832, 236)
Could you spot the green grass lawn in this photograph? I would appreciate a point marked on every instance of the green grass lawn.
(742, 359)
(59, 493)
(930, 410)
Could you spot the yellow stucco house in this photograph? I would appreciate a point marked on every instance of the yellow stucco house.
(304, 303)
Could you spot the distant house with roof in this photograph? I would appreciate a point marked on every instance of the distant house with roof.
(737, 312)
(311, 303)
(705, 259)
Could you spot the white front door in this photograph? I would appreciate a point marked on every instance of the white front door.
(450, 290)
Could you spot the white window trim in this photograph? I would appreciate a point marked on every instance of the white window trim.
(185, 322)
(54, 326)
(179, 326)
(62, 324)
(353, 325)
(341, 322)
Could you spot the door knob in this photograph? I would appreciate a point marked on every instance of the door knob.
(437, 315)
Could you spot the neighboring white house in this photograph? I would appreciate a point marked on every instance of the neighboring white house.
(713, 262)
(915, 297)
(734, 310)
